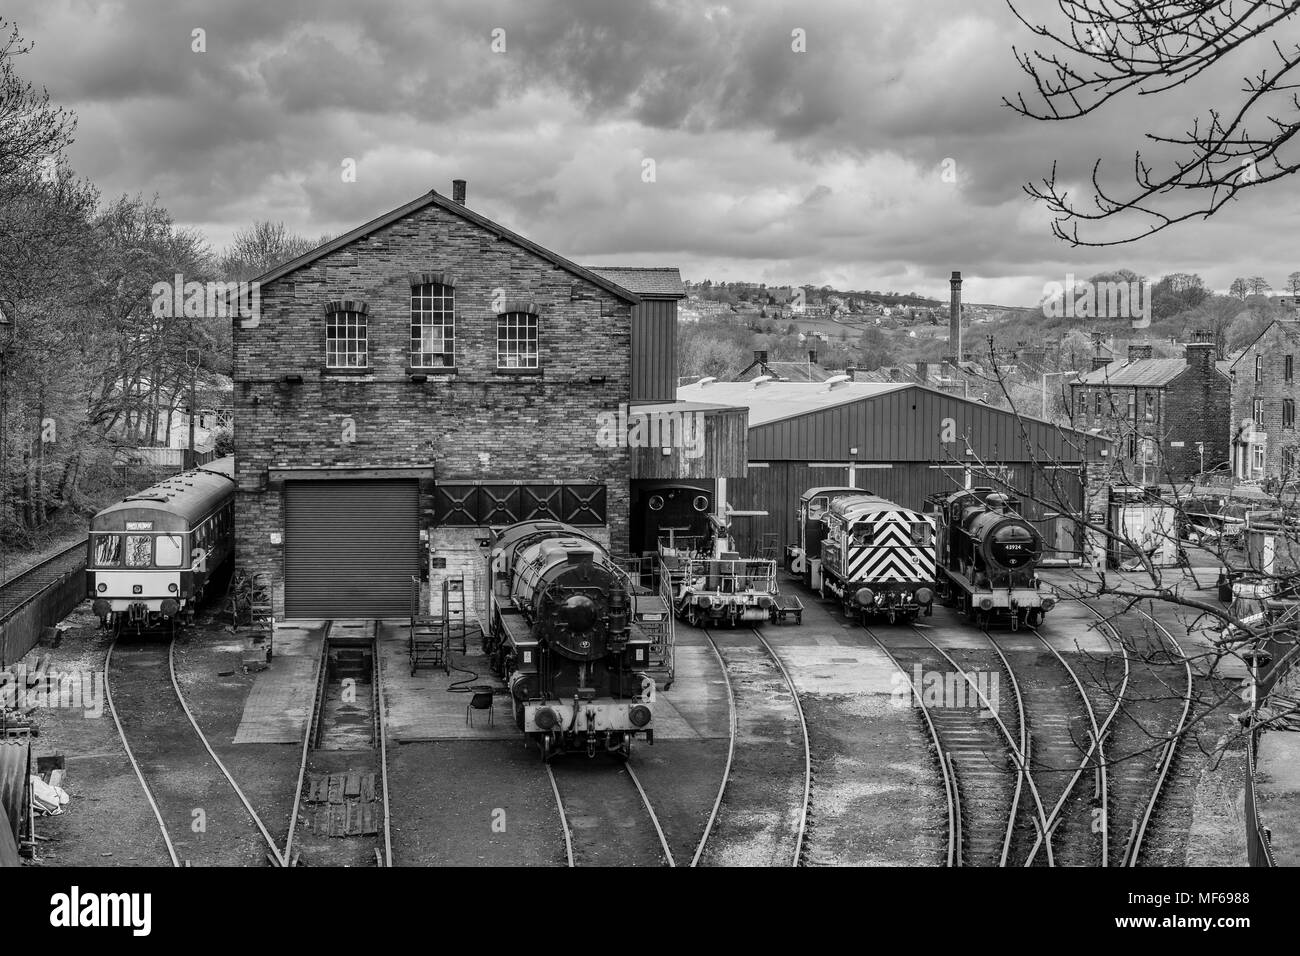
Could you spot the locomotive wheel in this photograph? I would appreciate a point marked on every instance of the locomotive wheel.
(547, 747)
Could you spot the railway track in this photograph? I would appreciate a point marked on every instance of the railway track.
(203, 815)
(29, 584)
(983, 745)
(606, 816)
(1143, 739)
(760, 815)
(1065, 748)
(341, 813)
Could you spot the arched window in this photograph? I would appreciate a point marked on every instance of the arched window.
(433, 326)
(346, 344)
(517, 338)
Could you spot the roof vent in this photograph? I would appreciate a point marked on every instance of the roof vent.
(836, 380)
(762, 380)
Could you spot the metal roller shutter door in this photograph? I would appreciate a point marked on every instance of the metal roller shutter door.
(350, 548)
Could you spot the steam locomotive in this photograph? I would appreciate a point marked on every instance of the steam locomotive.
(152, 557)
(561, 636)
(877, 557)
(988, 554)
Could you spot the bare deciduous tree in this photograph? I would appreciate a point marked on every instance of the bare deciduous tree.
(1104, 50)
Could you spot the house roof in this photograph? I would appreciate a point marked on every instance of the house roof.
(1144, 373)
(655, 281)
(773, 401)
(433, 198)
(1288, 328)
(786, 371)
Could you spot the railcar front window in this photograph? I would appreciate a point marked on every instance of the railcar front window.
(922, 534)
(108, 550)
(168, 550)
(139, 550)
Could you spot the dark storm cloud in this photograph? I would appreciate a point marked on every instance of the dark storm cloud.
(770, 164)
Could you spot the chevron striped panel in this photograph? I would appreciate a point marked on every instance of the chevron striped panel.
(891, 564)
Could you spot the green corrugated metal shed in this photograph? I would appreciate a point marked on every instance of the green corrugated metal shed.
(904, 441)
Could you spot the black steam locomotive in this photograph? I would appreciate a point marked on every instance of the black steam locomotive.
(988, 554)
(562, 638)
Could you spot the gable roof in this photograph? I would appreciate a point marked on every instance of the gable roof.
(433, 198)
(1144, 373)
(1289, 329)
(655, 281)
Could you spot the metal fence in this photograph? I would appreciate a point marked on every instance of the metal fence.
(1259, 849)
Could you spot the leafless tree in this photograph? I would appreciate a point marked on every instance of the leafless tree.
(1104, 50)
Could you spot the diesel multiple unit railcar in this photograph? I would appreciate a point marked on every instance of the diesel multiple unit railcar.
(988, 555)
(152, 557)
(878, 558)
(562, 638)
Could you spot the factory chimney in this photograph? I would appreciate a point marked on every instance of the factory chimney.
(954, 318)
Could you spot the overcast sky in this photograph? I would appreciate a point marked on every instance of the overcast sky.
(770, 165)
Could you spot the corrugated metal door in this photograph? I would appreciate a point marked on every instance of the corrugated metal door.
(350, 548)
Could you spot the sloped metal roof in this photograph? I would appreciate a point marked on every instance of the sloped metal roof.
(773, 401)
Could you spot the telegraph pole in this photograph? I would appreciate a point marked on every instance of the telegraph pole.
(193, 363)
(6, 334)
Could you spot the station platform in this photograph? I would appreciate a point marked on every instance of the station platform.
(280, 700)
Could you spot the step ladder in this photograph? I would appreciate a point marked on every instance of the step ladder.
(427, 644)
(453, 611)
(262, 602)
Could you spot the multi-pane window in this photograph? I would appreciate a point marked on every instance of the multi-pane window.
(1097, 404)
(1257, 410)
(1259, 368)
(1151, 406)
(345, 340)
(433, 326)
(1288, 368)
(1288, 413)
(1132, 405)
(517, 340)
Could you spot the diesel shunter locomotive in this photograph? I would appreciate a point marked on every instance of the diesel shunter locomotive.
(878, 558)
(561, 636)
(153, 556)
(988, 554)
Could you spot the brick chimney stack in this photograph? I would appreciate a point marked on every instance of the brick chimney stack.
(458, 191)
(1139, 351)
(1200, 352)
(1100, 361)
(954, 317)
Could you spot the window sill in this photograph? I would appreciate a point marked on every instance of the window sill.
(346, 372)
(517, 371)
(432, 370)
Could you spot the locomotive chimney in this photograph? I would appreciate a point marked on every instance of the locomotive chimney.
(458, 191)
(954, 318)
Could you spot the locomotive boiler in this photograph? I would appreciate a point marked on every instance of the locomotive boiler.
(988, 556)
(561, 636)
